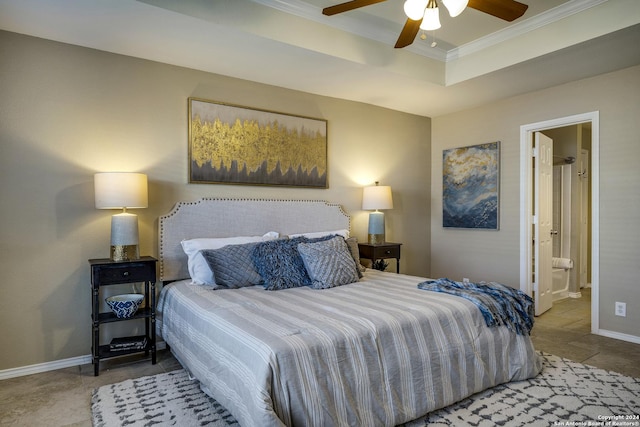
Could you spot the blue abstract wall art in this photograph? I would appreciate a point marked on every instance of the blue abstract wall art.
(470, 186)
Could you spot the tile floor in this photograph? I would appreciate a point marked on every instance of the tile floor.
(565, 331)
(63, 397)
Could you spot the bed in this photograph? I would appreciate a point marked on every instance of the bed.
(375, 352)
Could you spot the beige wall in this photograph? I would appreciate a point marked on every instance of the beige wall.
(494, 255)
(67, 112)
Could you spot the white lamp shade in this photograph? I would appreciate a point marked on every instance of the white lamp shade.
(118, 190)
(431, 20)
(455, 7)
(377, 197)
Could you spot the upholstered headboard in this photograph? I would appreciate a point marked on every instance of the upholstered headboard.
(239, 217)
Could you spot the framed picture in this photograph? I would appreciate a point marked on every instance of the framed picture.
(230, 144)
(470, 186)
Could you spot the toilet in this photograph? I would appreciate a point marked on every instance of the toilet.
(560, 273)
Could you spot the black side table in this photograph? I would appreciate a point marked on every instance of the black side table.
(107, 272)
(376, 251)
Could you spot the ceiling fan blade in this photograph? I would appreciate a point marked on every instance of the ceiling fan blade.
(347, 6)
(503, 9)
(408, 34)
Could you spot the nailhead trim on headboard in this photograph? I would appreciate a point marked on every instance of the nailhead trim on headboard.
(240, 217)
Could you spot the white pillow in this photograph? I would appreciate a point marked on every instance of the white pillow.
(314, 235)
(199, 270)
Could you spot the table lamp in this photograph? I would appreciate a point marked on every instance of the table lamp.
(376, 197)
(122, 190)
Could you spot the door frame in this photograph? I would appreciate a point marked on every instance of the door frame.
(526, 203)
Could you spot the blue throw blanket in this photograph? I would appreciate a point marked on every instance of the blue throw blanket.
(499, 304)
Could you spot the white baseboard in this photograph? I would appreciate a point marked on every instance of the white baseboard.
(52, 366)
(619, 336)
(44, 367)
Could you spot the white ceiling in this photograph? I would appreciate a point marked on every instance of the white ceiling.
(289, 43)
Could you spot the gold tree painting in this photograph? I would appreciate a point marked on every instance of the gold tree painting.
(237, 145)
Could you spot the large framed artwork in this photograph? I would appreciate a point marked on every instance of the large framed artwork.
(230, 144)
(470, 186)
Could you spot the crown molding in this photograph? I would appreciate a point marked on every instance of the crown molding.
(535, 22)
(381, 34)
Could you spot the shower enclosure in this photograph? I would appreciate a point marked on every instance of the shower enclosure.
(562, 262)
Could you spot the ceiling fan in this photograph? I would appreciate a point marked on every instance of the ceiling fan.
(424, 14)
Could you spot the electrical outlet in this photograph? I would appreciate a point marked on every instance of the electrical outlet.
(621, 309)
(465, 280)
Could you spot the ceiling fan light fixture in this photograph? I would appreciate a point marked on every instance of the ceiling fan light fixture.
(414, 9)
(431, 19)
(455, 7)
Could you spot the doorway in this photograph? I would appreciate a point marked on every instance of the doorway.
(529, 245)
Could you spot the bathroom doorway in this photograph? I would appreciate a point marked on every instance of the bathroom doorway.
(574, 234)
(570, 195)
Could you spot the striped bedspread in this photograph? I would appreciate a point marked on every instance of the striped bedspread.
(379, 352)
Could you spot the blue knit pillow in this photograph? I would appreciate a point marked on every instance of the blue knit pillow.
(280, 265)
(329, 263)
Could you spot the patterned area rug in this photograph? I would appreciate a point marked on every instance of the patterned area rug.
(171, 399)
(566, 393)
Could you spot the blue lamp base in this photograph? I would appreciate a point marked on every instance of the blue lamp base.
(376, 227)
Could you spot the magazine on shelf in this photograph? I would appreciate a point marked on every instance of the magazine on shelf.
(129, 343)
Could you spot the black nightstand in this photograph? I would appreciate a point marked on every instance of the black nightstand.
(107, 272)
(376, 251)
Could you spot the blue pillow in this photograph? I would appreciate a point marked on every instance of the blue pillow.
(279, 263)
(329, 263)
(232, 265)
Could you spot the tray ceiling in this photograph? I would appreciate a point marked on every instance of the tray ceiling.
(289, 43)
